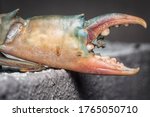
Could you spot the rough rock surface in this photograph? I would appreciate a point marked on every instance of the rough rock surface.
(48, 84)
(61, 84)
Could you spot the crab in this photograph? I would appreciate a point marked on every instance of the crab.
(57, 41)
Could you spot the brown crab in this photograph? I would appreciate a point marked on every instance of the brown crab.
(58, 41)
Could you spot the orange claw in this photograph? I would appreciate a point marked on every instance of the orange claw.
(61, 42)
(97, 65)
(98, 24)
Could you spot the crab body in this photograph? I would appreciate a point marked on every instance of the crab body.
(60, 42)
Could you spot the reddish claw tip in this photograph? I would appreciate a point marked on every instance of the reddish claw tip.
(104, 66)
(98, 25)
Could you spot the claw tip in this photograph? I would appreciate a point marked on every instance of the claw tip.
(145, 24)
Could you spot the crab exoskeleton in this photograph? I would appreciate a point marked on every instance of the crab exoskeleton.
(58, 41)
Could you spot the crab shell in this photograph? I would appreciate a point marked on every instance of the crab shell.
(63, 41)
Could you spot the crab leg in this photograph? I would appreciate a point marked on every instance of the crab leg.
(24, 66)
(6, 21)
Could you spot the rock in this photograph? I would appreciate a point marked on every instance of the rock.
(62, 84)
(48, 84)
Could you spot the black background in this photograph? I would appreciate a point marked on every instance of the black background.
(90, 8)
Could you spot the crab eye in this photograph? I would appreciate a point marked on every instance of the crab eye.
(14, 30)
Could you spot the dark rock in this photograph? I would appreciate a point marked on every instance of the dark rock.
(48, 84)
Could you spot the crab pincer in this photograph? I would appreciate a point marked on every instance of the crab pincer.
(56, 41)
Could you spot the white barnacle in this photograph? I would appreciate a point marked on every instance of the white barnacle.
(105, 32)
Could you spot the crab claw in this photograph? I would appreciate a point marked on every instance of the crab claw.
(62, 42)
(104, 66)
(100, 25)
